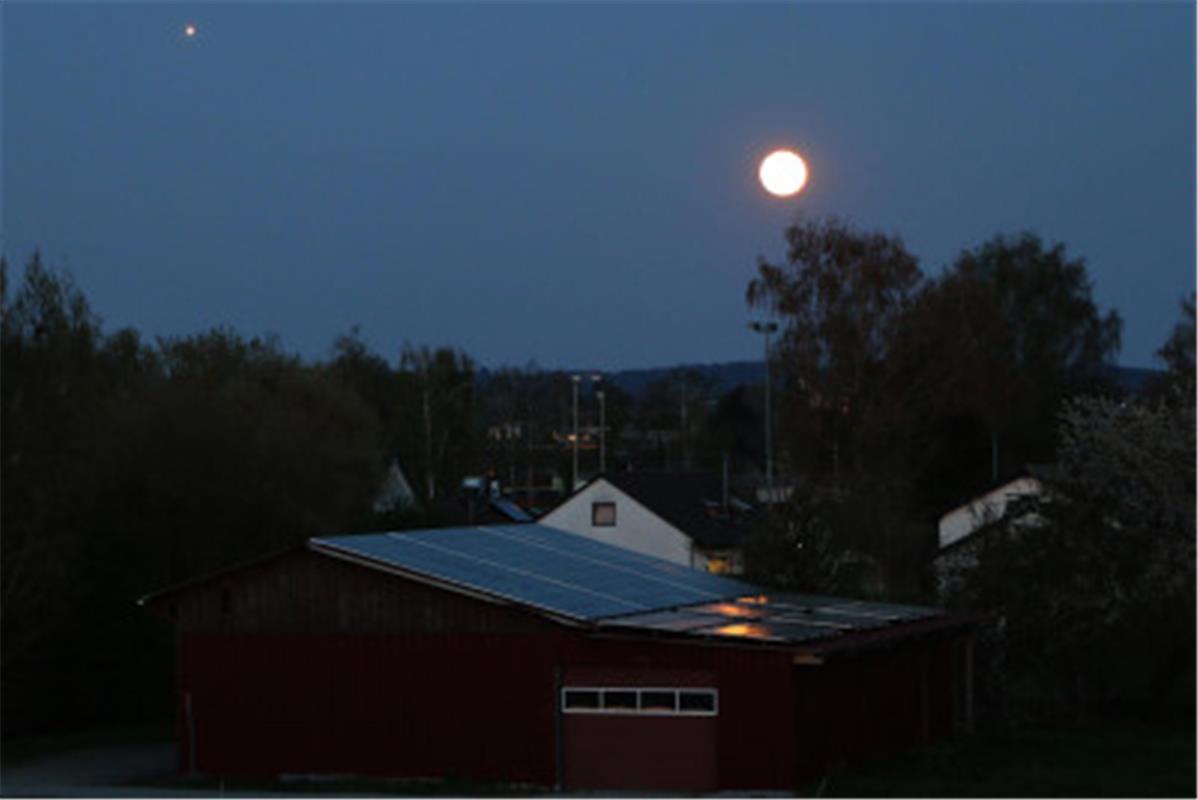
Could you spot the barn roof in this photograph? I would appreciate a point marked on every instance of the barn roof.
(580, 579)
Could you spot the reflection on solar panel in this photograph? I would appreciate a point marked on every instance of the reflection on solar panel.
(543, 567)
(780, 618)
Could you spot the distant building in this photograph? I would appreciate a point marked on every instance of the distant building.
(691, 519)
(396, 493)
(961, 529)
(530, 656)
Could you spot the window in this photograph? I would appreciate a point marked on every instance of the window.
(603, 514)
(697, 702)
(719, 565)
(618, 700)
(579, 699)
(659, 701)
(649, 701)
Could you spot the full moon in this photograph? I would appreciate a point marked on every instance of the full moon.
(190, 31)
(783, 173)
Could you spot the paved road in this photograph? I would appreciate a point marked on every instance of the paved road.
(94, 772)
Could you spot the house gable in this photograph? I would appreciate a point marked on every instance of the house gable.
(636, 527)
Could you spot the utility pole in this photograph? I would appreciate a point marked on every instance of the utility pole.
(595, 379)
(602, 434)
(767, 328)
(574, 482)
(685, 430)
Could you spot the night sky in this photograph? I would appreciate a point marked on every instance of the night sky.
(576, 183)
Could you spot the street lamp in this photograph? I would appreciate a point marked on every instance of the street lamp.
(574, 482)
(767, 328)
(595, 379)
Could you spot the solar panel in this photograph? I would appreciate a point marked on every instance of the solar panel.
(776, 617)
(543, 567)
(510, 509)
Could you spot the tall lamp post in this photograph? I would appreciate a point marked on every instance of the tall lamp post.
(595, 379)
(767, 328)
(574, 481)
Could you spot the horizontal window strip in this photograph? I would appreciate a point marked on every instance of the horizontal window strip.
(647, 700)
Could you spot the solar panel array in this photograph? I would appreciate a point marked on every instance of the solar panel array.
(543, 567)
(780, 618)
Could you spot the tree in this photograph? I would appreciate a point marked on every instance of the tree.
(128, 468)
(1093, 580)
(984, 358)
(1178, 353)
(839, 296)
(441, 382)
(991, 348)
(795, 548)
(49, 390)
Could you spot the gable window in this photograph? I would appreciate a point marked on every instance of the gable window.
(603, 514)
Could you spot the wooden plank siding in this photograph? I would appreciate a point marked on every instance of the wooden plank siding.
(305, 592)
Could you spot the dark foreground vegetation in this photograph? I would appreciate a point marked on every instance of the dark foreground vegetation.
(129, 466)
(1097, 761)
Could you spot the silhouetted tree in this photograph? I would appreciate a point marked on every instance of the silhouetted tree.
(988, 352)
(128, 468)
(1178, 354)
(839, 297)
(438, 397)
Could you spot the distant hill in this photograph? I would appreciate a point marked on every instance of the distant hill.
(730, 374)
(1134, 380)
(727, 375)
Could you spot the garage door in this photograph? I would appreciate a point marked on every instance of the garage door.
(647, 737)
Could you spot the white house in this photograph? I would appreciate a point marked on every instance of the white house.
(686, 518)
(990, 507)
(959, 529)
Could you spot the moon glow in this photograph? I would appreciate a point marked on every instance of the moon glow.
(783, 173)
(190, 31)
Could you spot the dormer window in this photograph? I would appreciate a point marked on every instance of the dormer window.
(603, 515)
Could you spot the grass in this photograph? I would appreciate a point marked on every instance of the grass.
(1097, 761)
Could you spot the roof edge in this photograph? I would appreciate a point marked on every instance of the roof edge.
(332, 551)
(175, 588)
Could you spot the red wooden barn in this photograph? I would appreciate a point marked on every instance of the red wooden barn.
(528, 655)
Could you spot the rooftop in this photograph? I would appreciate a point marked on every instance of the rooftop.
(580, 580)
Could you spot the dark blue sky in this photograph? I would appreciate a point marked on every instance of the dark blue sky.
(575, 183)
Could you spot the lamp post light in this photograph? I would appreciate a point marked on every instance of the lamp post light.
(574, 481)
(767, 328)
(595, 379)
